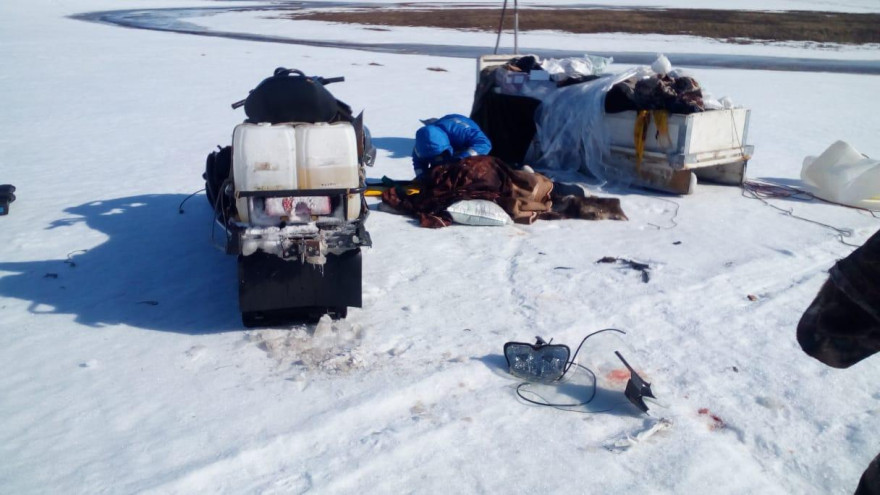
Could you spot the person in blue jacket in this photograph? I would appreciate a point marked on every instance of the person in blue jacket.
(448, 139)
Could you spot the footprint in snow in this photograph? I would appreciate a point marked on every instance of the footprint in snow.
(195, 352)
(418, 409)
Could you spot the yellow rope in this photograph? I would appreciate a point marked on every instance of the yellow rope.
(640, 133)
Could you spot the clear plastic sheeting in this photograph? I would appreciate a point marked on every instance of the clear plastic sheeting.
(540, 82)
(561, 69)
(571, 133)
(843, 175)
(522, 84)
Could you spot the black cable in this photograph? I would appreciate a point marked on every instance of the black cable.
(671, 220)
(223, 206)
(763, 190)
(566, 407)
(574, 357)
(768, 189)
(220, 209)
(180, 206)
(70, 255)
(590, 399)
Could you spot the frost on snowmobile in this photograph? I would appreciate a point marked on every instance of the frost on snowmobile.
(289, 195)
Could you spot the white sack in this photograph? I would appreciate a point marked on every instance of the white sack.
(843, 175)
(478, 212)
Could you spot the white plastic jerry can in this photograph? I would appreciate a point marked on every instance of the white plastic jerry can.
(263, 159)
(327, 159)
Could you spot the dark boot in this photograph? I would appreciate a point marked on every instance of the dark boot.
(870, 482)
(842, 325)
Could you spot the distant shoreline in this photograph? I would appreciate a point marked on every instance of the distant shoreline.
(732, 26)
(175, 20)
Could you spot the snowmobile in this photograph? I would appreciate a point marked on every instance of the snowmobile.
(289, 196)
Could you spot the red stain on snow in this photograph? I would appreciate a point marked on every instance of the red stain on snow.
(618, 375)
(717, 423)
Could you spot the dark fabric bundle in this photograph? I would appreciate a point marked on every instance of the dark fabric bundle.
(524, 64)
(676, 95)
(842, 325)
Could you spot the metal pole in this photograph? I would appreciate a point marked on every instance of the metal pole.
(516, 27)
(500, 27)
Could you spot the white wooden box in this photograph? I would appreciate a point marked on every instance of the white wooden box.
(710, 145)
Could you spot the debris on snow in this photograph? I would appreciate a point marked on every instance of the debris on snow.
(652, 428)
(332, 348)
(635, 265)
(71, 254)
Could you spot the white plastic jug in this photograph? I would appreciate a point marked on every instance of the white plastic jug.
(327, 159)
(263, 159)
(843, 175)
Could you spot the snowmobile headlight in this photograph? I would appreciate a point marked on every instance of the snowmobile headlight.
(539, 362)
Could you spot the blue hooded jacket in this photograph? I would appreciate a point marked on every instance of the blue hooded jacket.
(449, 138)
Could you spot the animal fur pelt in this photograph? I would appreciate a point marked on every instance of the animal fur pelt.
(525, 196)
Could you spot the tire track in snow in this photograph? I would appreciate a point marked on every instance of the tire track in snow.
(519, 297)
(344, 434)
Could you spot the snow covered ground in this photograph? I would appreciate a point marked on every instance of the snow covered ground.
(127, 369)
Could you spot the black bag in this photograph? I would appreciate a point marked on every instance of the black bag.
(291, 96)
(217, 168)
